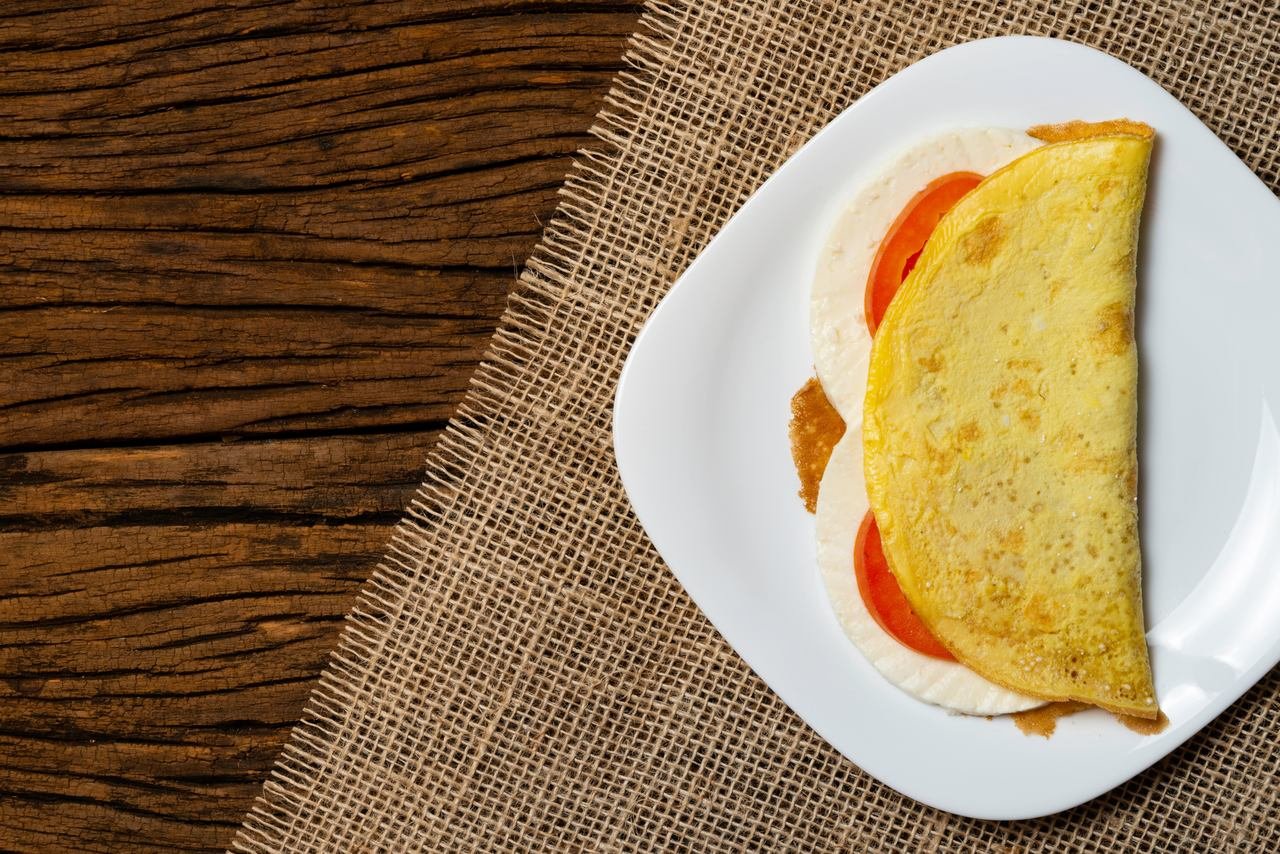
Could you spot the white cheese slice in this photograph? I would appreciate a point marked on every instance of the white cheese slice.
(841, 348)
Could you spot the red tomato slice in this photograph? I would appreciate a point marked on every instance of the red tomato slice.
(884, 598)
(905, 240)
(895, 259)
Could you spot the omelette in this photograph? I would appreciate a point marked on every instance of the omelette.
(999, 426)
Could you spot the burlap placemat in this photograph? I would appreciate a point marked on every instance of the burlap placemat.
(523, 672)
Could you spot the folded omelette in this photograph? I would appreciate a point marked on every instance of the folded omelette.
(1000, 427)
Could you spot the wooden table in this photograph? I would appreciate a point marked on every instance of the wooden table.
(251, 253)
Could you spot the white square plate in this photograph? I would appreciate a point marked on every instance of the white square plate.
(701, 433)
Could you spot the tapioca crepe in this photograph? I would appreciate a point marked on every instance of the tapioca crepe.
(999, 440)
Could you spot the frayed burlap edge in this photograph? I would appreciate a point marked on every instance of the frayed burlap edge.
(525, 317)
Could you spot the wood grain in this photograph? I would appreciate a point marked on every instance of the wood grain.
(250, 255)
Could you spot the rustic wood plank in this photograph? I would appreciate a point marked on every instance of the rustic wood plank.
(129, 372)
(326, 478)
(152, 672)
(250, 253)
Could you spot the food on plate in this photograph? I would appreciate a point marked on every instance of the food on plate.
(1077, 129)
(983, 284)
(815, 429)
(1043, 720)
(842, 508)
(838, 331)
(1000, 428)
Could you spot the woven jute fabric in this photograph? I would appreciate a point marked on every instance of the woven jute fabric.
(523, 672)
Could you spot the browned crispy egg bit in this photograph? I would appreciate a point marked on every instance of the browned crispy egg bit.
(815, 428)
(1044, 720)
(1145, 726)
(1067, 131)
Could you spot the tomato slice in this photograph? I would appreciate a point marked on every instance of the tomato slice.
(894, 261)
(884, 598)
(905, 239)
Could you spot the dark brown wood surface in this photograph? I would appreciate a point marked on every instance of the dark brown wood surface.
(250, 253)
